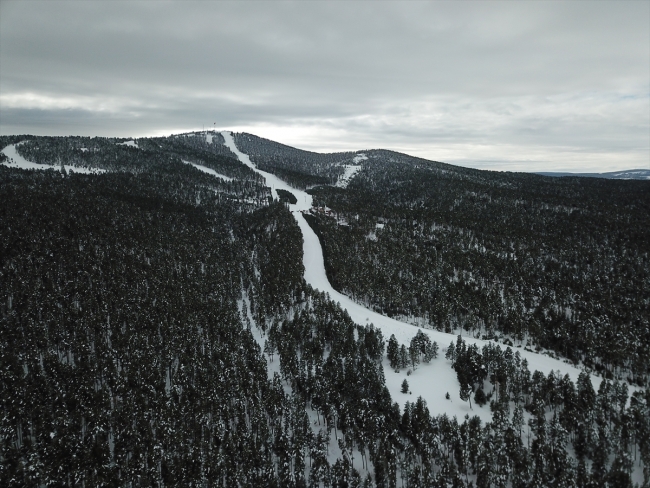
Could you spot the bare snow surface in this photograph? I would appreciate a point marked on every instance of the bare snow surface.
(17, 161)
(348, 174)
(351, 170)
(128, 143)
(360, 157)
(208, 170)
(430, 381)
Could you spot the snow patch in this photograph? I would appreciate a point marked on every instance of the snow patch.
(348, 174)
(208, 170)
(128, 143)
(359, 157)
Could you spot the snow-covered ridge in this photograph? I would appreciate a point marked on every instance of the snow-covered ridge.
(17, 161)
(630, 174)
(348, 174)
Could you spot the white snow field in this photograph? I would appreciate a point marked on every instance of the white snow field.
(17, 161)
(210, 171)
(350, 171)
(430, 381)
(128, 143)
(360, 157)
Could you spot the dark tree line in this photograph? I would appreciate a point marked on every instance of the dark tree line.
(123, 355)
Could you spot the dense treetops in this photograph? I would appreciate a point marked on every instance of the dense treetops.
(559, 264)
(155, 327)
(302, 169)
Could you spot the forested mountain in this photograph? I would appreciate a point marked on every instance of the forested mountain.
(561, 264)
(156, 328)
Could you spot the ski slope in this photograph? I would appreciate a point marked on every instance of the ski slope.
(210, 171)
(304, 202)
(17, 161)
(430, 381)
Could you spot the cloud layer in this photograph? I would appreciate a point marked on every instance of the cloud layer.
(501, 85)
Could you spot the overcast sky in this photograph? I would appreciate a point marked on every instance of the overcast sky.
(513, 85)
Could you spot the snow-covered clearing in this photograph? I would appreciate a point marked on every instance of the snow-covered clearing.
(17, 161)
(208, 170)
(348, 174)
(128, 143)
(359, 157)
(430, 381)
(351, 170)
(208, 138)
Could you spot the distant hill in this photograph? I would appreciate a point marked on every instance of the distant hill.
(629, 174)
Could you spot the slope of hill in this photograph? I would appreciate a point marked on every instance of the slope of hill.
(422, 383)
(548, 263)
(156, 328)
(560, 264)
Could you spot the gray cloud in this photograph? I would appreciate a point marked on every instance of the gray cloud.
(521, 85)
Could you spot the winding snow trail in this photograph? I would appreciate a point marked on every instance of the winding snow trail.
(430, 381)
(210, 171)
